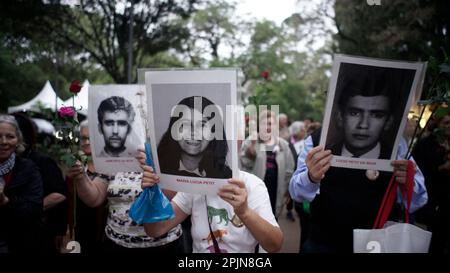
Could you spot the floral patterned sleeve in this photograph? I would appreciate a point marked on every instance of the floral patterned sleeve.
(105, 178)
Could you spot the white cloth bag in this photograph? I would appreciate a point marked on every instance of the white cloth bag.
(393, 238)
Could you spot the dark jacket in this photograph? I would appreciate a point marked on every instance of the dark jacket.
(55, 218)
(348, 200)
(429, 155)
(20, 218)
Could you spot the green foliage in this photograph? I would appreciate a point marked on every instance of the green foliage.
(438, 91)
(101, 29)
(291, 96)
(50, 40)
(413, 30)
(297, 80)
(213, 26)
(403, 29)
(18, 83)
(76, 40)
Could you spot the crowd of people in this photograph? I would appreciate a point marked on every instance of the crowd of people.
(280, 170)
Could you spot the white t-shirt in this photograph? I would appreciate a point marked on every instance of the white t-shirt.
(230, 238)
(123, 190)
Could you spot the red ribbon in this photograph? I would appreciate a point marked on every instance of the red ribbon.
(7, 178)
(390, 196)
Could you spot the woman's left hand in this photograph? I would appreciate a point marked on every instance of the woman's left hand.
(235, 193)
(149, 177)
(400, 168)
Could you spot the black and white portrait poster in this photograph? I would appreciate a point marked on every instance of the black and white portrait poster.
(191, 128)
(116, 127)
(366, 110)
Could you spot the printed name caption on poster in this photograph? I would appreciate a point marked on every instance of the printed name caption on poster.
(225, 262)
(345, 161)
(190, 181)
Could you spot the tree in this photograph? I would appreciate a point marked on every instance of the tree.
(51, 40)
(296, 81)
(413, 30)
(99, 30)
(30, 57)
(17, 82)
(215, 29)
(405, 29)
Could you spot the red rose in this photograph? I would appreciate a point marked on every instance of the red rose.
(66, 111)
(265, 74)
(75, 87)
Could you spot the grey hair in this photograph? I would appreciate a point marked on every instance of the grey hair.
(282, 115)
(11, 120)
(296, 127)
(84, 124)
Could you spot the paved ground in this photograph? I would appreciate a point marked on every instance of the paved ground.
(291, 231)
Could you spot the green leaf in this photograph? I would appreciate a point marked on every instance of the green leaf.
(68, 159)
(445, 68)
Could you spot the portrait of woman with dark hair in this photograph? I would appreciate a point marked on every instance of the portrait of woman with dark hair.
(194, 146)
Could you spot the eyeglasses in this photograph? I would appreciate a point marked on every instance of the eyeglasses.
(84, 139)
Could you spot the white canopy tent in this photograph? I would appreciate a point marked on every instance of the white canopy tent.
(44, 126)
(81, 99)
(47, 97)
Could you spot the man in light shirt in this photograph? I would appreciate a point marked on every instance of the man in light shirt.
(370, 104)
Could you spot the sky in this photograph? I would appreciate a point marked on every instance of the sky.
(275, 10)
(259, 10)
(278, 11)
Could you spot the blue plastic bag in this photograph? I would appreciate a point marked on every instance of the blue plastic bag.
(152, 205)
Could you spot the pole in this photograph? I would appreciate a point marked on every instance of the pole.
(130, 42)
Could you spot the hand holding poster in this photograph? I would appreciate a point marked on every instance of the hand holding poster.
(192, 136)
(366, 110)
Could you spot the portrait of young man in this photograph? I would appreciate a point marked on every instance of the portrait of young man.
(115, 118)
(368, 105)
(116, 126)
